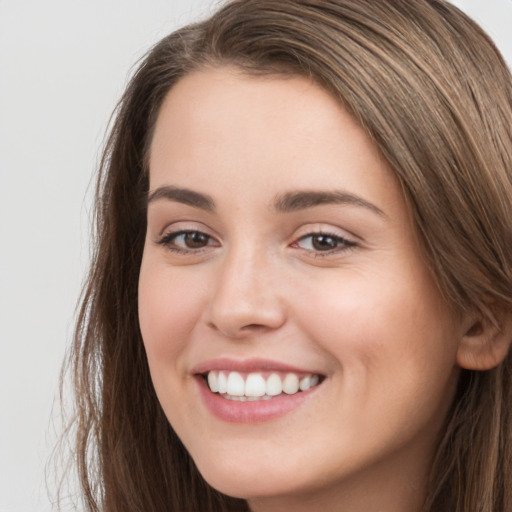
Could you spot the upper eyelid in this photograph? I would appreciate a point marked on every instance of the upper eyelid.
(314, 228)
(182, 231)
(346, 240)
(327, 233)
(326, 229)
(185, 225)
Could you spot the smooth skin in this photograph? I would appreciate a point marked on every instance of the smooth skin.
(339, 288)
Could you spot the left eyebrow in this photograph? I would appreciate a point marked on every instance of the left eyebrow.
(301, 200)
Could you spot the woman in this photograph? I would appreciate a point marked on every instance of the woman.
(301, 292)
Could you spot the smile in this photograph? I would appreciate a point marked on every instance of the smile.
(254, 390)
(254, 386)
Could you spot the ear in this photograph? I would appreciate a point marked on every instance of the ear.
(486, 340)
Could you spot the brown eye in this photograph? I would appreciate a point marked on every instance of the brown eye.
(195, 239)
(324, 243)
(186, 241)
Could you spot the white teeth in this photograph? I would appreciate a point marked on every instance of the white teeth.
(304, 384)
(274, 385)
(291, 384)
(222, 383)
(255, 385)
(246, 398)
(236, 386)
(212, 382)
(236, 398)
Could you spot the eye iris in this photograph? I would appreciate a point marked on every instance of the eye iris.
(324, 242)
(196, 240)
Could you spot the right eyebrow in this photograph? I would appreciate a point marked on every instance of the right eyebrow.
(184, 196)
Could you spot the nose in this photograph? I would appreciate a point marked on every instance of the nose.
(246, 297)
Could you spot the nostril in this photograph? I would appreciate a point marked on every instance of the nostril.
(253, 326)
(234, 331)
(244, 317)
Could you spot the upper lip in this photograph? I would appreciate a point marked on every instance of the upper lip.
(247, 366)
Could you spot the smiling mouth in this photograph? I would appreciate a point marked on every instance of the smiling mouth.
(255, 386)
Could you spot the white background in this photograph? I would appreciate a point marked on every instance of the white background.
(63, 65)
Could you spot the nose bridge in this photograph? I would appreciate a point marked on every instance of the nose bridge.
(245, 298)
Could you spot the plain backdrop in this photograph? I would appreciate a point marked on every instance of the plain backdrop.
(63, 66)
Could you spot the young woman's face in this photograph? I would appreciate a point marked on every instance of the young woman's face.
(280, 255)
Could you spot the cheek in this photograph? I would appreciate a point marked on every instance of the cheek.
(167, 316)
(166, 312)
(394, 350)
(376, 327)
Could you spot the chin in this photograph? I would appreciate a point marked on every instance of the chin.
(249, 482)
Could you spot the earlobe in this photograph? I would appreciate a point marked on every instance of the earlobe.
(485, 343)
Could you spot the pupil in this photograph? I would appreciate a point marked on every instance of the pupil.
(324, 242)
(196, 240)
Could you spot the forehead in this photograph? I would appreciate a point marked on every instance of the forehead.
(221, 126)
(205, 101)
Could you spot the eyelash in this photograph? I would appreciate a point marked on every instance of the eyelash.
(343, 244)
(168, 241)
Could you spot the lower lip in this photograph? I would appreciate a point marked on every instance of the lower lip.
(257, 411)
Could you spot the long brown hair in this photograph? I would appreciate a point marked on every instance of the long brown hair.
(433, 92)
